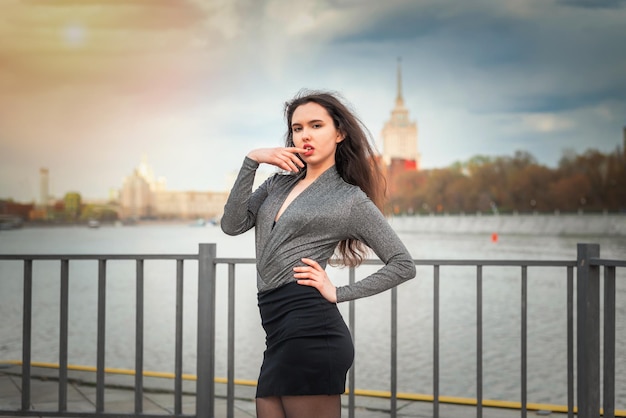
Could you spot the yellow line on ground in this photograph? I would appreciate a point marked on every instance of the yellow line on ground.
(359, 392)
(462, 401)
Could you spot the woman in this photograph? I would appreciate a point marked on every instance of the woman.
(327, 201)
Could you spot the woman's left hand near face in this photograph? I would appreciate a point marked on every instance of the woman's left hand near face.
(315, 276)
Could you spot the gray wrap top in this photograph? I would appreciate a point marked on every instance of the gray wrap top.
(328, 211)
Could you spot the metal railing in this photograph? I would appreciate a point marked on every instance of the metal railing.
(587, 313)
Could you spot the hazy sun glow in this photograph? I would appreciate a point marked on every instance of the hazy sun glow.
(74, 35)
(76, 75)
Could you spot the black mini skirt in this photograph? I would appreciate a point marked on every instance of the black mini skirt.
(308, 345)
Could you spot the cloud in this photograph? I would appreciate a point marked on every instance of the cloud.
(520, 56)
(401, 21)
(547, 123)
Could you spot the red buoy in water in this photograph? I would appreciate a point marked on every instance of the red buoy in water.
(494, 237)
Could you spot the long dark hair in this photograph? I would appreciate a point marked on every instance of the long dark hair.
(355, 159)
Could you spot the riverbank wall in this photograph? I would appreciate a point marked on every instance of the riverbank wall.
(526, 224)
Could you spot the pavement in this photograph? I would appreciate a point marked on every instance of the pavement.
(158, 398)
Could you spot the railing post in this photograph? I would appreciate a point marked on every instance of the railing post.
(351, 325)
(63, 333)
(230, 388)
(205, 385)
(101, 335)
(394, 352)
(27, 331)
(588, 331)
(608, 390)
(139, 333)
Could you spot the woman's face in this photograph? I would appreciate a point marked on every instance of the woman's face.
(313, 129)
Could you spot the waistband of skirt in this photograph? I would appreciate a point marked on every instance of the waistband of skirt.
(288, 291)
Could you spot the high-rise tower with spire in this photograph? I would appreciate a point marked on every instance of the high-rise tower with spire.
(399, 135)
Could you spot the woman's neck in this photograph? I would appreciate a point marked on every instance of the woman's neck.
(313, 173)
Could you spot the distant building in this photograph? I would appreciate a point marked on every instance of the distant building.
(143, 197)
(136, 197)
(399, 135)
(12, 214)
(40, 212)
(44, 187)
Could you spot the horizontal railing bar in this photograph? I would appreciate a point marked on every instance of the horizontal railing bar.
(98, 256)
(223, 260)
(226, 260)
(607, 263)
(419, 262)
(474, 263)
(68, 414)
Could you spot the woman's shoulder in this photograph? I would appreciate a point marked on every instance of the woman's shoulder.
(351, 191)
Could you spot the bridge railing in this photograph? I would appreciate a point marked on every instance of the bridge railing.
(586, 310)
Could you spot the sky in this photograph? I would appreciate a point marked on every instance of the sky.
(89, 88)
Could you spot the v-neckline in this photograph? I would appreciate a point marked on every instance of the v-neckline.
(285, 204)
(281, 211)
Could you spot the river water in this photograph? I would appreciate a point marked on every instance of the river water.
(462, 237)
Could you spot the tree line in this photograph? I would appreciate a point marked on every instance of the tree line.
(589, 182)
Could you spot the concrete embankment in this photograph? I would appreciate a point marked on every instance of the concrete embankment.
(528, 224)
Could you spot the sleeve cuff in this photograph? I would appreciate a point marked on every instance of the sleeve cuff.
(250, 163)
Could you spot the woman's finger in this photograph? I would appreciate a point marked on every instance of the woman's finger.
(305, 273)
(312, 263)
(286, 160)
(294, 160)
